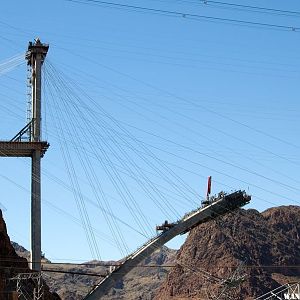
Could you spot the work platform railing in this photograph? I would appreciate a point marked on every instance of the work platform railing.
(220, 205)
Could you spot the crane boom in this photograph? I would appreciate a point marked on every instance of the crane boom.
(220, 205)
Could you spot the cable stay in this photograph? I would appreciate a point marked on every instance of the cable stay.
(11, 63)
(211, 209)
(286, 291)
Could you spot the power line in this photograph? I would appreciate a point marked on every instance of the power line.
(241, 7)
(265, 9)
(173, 13)
(109, 264)
(73, 273)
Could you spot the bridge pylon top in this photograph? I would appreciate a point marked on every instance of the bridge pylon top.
(36, 48)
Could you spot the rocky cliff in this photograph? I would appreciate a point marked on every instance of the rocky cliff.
(239, 256)
(11, 265)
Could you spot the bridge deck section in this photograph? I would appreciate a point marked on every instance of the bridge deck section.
(21, 149)
(220, 206)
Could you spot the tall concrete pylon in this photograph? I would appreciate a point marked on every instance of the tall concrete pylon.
(32, 146)
(35, 57)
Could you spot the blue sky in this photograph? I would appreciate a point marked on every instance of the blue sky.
(168, 99)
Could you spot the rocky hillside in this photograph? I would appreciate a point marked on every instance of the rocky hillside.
(11, 265)
(141, 283)
(240, 256)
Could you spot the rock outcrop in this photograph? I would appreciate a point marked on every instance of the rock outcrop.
(239, 256)
(11, 265)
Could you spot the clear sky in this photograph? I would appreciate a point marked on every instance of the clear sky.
(140, 107)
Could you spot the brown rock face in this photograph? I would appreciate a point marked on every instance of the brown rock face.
(11, 265)
(259, 250)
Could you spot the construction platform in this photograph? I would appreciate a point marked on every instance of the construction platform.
(22, 149)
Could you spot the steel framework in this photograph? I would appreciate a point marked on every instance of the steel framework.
(22, 286)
